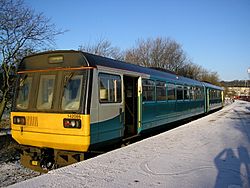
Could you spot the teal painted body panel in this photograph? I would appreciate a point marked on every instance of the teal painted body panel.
(215, 103)
(197, 107)
(181, 107)
(148, 112)
(106, 130)
(159, 113)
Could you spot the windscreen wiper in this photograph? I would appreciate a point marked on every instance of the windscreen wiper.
(22, 80)
(67, 79)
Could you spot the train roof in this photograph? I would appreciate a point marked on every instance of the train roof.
(209, 85)
(73, 58)
(95, 60)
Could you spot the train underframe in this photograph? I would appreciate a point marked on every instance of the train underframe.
(45, 159)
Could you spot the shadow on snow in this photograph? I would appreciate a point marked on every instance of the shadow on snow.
(233, 165)
(233, 168)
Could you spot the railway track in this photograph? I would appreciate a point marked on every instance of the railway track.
(4, 131)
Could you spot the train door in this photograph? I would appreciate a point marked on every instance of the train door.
(207, 98)
(130, 106)
(110, 122)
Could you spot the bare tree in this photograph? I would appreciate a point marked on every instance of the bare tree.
(21, 31)
(161, 52)
(211, 77)
(165, 53)
(197, 72)
(191, 70)
(103, 47)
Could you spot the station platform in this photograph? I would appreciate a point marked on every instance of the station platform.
(213, 151)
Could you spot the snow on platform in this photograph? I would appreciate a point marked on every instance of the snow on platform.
(212, 151)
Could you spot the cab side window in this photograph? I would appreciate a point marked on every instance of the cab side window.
(109, 88)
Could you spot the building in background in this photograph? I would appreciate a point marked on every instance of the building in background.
(237, 89)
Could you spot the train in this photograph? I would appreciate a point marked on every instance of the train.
(69, 103)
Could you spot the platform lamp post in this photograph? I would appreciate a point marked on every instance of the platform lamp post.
(248, 71)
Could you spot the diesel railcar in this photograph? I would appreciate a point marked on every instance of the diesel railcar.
(70, 103)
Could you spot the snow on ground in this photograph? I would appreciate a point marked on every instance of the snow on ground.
(12, 172)
(209, 152)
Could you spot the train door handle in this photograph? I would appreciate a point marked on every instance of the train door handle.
(120, 111)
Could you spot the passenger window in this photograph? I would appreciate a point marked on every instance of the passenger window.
(210, 94)
(218, 94)
(200, 93)
(161, 91)
(171, 92)
(179, 92)
(45, 92)
(186, 93)
(109, 88)
(148, 87)
(197, 93)
(192, 93)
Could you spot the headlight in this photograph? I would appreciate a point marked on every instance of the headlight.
(72, 123)
(20, 120)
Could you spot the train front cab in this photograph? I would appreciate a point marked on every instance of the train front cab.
(50, 117)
